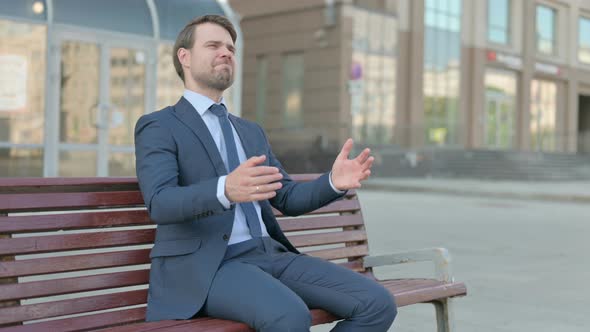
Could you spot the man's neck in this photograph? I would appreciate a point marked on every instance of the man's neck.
(212, 94)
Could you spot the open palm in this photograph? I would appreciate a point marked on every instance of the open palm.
(349, 173)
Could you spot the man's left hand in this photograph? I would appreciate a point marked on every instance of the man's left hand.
(349, 173)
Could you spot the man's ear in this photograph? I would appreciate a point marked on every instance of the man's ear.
(184, 57)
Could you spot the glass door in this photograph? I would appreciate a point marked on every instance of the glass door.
(500, 109)
(102, 92)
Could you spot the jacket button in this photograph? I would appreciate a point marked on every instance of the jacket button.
(225, 237)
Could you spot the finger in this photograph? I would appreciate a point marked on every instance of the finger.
(266, 188)
(262, 170)
(346, 148)
(266, 179)
(262, 197)
(254, 161)
(366, 175)
(362, 157)
(368, 163)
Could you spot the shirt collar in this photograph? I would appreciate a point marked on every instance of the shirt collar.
(200, 102)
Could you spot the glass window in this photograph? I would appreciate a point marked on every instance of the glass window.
(442, 45)
(169, 85)
(499, 21)
(127, 94)
(372, 77)
(545, 27)
(130, 16)
(293, 90)
(584, 40)
(500, 108)
(261, 88)
(77, 163)
(80, 110)
(17, 162)
(22, 82)
(543, 115)
(22, 98)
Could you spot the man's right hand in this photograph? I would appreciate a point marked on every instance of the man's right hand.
(250, 182)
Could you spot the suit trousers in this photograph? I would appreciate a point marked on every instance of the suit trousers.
(269, 288)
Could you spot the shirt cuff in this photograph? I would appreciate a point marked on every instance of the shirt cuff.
(221, 193)
(334, 188)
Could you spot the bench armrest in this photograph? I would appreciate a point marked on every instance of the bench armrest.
(440, 257)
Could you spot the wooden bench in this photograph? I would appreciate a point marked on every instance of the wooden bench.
(80, 246)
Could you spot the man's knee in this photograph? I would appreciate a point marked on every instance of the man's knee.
(384, 304)
(379, 306)
(294, 317)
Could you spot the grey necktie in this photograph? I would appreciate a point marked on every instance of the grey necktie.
(233, 162)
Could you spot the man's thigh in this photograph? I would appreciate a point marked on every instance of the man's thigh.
(324, 285)
(243, 292)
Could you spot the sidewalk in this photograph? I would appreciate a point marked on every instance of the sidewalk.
(577, 192)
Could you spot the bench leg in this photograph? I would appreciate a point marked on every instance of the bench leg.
(444, 319)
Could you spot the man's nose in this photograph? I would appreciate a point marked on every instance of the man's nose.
(225, 52)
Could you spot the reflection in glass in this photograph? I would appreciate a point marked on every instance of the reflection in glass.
(127, 90)
(169, 86)
(79, 106)
(77, 163)
(22, 82)
(442, 45)
(545, 30)
(372, 84)
(18, 162)
(499, 116)
(261, 88)
(293, 90)
(498, 21)
(543, 115)
(122, 164)
(584, 40)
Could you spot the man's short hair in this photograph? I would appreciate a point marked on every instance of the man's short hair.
(186, 38)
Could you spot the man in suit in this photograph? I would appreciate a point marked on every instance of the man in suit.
(209, 180)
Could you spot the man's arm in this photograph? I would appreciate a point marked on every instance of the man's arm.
(157, 172)
(295, 198)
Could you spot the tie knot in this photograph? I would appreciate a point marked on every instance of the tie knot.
(219, 110)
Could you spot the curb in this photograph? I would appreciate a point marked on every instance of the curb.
(582, 199)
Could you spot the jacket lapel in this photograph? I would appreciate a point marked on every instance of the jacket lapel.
(187, 114)
(247, 137)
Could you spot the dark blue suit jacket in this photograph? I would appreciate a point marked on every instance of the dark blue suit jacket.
(178, 166)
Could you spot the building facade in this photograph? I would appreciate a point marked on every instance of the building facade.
(478, 74)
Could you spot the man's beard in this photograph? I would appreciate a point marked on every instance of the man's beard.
(219, 80)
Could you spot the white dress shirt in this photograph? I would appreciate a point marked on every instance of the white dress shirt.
(240, 231)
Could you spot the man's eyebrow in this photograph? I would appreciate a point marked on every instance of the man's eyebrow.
(218, 42)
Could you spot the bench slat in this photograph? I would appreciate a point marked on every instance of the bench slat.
(87, 322)
(338, 253)
(73, 306)
(28, 290)
(349, 205)
(307, 240)
(322, 222)
(68, 201)
(73, 263)
(68, 221)
(428, 291)
(52, 243)
(406, 292)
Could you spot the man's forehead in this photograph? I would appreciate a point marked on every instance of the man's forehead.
(209, 32)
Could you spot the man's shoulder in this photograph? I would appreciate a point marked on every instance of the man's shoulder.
(246, 122)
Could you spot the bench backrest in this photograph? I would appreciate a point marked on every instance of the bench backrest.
(80, 245)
